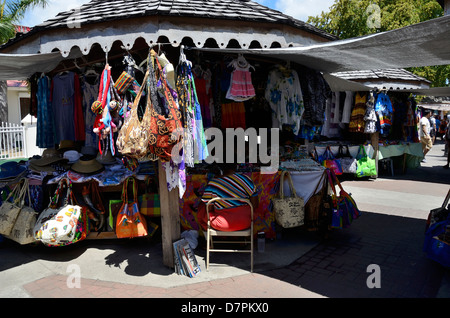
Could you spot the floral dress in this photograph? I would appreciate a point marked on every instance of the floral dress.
(284, 94)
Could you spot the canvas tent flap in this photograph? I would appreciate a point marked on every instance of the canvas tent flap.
(338, 84)
(422, 44)
(22, 66)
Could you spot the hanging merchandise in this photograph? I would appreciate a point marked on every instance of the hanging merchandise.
(241, 86)
(347, 110)
(289, 211)
(384, 110)
(344, 209)
(134, 136)
(9, 211)
(103, 126)
(329, 161)
(348, 163)
(130, 223)
(90, 88)
(45, 137)
(194, 138)
(62, 225)
(165, 125)
(357, 123)
(366, 167)
(370, 116)
(22, 231)
(284, 94)
(315, 91)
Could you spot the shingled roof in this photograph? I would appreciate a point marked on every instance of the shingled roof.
(394, 78)
(244, 10)
(100, 11)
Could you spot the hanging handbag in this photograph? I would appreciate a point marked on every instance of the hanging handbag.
(22, 231)
(130, 223)
(289, 211)
(345, 209)
(165, 130)
(123, 82)
(366, 167)
(133, 138)
(330, 162)
(313, 208)
(348, 163)
(437, 243)
(9, 211)
(65, 225)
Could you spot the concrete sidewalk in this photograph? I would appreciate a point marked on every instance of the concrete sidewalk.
(389, 234)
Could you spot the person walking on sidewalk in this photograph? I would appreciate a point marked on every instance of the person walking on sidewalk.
(424, 133)
(447, 142)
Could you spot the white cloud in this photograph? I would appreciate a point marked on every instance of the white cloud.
(39, 15)
(301, 10)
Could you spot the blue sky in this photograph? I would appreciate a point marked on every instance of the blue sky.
(299, 9)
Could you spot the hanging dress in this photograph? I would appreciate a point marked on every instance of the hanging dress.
(384, 110)
(45, 137)
(357, 123)
(241, 86)
(347, 110)
(370, 117)
(284, 94)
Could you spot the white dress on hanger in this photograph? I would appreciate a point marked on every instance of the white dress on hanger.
(347, 111)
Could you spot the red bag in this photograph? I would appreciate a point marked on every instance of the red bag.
(163, 130)
(130, 223)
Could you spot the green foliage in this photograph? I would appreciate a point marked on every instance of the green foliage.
(354, 18)
(11, 12)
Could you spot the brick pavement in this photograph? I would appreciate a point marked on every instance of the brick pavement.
(335, 268)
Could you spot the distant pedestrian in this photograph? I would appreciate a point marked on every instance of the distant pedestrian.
(447, 142)
(433, 129)
(424, 133)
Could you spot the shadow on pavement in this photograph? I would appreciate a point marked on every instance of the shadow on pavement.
(338, 267)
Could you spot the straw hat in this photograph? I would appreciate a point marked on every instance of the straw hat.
(49, 156)
(106, 159)
(87, 164)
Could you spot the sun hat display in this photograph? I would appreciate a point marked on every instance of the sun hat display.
(72, 155)
(87, 164)
(10, 170)
(65, 145)
(106, 158)
(49, 156)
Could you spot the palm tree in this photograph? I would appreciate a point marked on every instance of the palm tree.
(11, 12)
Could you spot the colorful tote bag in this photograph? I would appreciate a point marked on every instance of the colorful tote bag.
(345, 209)
(133, 138)
(130, 223)
(366, 167)
(149, 204)
(165, 130)
(65, 225)
(123, 82)
(330, 162)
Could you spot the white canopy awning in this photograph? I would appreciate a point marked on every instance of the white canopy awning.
(22, 66)
(422, 44)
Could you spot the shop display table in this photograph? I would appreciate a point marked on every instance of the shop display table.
(412, 153)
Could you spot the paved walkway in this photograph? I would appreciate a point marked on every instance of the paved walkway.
(389, 235)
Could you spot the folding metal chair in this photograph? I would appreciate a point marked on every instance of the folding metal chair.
(246, 233)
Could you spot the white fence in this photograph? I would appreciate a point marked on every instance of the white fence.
(12, 141)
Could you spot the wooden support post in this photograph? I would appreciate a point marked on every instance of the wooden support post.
(374, 139)
(170, 216)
